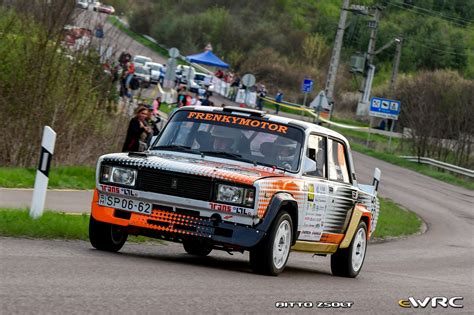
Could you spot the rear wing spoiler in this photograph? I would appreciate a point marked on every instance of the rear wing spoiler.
(372, 189)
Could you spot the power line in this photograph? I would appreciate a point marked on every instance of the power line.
(438, 49)
(397, 5)
(439, 13)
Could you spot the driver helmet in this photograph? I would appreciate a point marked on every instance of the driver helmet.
(285, 147)
(224, 137)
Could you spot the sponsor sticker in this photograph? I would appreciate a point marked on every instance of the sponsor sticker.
(118, 190)
(231, 209)
(244, 121)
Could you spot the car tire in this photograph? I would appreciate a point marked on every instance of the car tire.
(105, 236)
(347, 262)
(197, 247)
(270, 256)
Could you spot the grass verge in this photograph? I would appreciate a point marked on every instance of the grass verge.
(420, 168)
(52, 225)
(393, 221)
(139, 38)
(66, 177)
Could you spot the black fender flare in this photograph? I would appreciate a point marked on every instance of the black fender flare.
(279, 201)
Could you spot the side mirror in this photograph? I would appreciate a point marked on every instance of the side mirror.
(309, 165)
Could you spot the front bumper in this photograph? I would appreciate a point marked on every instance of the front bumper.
(174, 226)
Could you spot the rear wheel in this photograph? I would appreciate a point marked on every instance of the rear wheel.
(347, 262)
(271, 255)
(105, 236)
(197, 247)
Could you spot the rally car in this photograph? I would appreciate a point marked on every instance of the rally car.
(238, 179)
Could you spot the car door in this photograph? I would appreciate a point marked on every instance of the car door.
(317, 197)
(342, 193)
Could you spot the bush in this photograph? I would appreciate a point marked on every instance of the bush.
(43, 83)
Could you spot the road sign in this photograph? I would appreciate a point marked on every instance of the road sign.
(384, 108)
(320, 102)
(307, 86)
(173, 52)
(248, 80)
(99, 32)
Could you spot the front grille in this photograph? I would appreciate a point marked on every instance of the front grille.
(175, 184)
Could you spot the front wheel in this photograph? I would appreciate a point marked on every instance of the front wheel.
(347, 262)
(105, 236)
(271, 255)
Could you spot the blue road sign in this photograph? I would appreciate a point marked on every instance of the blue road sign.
(99, 32)
(384, 108)
(307, 86)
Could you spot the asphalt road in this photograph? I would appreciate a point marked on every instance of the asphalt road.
(39, 276)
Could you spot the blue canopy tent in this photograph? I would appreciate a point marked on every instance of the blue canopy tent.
(207, 58)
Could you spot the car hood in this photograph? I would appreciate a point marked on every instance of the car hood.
(233, 171)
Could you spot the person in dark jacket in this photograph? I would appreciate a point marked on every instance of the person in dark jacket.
(137, 132)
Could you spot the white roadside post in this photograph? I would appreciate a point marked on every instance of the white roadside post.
(42, 173)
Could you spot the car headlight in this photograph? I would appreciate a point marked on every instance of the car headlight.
(118, 175)
(235, 195)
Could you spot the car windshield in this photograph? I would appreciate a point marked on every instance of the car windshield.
(199, 77)
(155, 67)
(141, 70)
(140, 60)
(243, 138)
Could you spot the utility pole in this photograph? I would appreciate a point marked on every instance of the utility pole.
(336, 53)
(363, 107)
(396, 63)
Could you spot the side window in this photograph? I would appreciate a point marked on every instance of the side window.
(317, 153)
(337, 164)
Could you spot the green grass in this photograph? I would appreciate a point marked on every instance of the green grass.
(52, 225)
(139, 38)
(378, 148)
(395, 221)
(70, 177)
(420, 168)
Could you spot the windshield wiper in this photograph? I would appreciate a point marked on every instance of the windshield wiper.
(174, 147)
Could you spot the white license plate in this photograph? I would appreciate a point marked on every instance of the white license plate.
(125, 204)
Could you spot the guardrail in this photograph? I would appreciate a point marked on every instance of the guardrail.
(443, 165)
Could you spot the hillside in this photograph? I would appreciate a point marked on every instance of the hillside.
(285, 40)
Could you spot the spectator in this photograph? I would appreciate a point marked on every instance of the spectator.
(162, 74)
(278, 100)
(138, 131)
(153, 121)
(156, 105)
(262, 92)
(219, 74)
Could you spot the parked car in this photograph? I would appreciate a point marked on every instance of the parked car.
(141, 60)
(204, 81)
(155, 69)
(84, 4)
(182, 73)
(103, 8)
(238, 179)
(142, 74)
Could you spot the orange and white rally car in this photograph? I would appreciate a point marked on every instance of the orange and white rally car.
(239, 179)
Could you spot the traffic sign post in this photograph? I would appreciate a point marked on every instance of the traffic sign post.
(306, 88)
(384, 108)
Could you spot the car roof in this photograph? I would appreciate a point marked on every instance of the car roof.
(153, 63)
(144, 57)
(307, 126)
